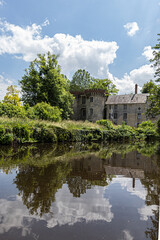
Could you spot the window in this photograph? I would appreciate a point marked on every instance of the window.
(91, 111)
(115, 107)
(83, 99)
(91, 99)
(124, 116)
(115, 115)
(125, 106)
(83, 112)
(109, 115)
(110, 107)
(139, 115)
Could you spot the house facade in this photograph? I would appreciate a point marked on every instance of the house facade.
(92, 105)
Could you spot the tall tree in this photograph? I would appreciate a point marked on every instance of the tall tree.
(106, 85)
(82, 80)
(148, 87)
(12, 96)
(154, 99)
(43, 82)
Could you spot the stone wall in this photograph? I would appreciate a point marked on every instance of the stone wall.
(89, 105)
(132, 114)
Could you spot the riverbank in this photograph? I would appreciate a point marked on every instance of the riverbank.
(17, 131)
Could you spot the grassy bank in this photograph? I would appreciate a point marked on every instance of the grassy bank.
(17, 130)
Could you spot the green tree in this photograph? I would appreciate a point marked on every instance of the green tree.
(106, 85)
(43, 82)
(81, 80)
(12, 96)
(148, 87)
(154, 99)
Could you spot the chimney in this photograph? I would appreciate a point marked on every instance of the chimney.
(136, 89)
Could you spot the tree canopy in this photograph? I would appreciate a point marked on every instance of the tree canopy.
(154, 99)
(43, 82)
(106, 85)
(82, 80)
(148, 87)
(12, 96)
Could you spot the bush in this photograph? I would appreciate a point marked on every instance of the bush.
(45, 112)
(21, 132)
(44, 134)
(105, 122)
(7, 139)
(10, 110)
(147, 129)
(158, 127)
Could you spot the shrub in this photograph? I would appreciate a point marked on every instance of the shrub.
(44, 134)
(147, 129)
(105, 122)
(21, 132)
(45, 112)
(10, 110)
(158, 127)
(7, 139)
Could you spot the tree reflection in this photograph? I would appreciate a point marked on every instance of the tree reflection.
(77, 185)
(152, 184)
(38, 185)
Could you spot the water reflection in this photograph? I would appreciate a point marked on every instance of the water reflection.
(108, 190)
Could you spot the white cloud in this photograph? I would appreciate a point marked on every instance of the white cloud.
(74, 52)
(138, 191)
(2, 2)
(137, 76)
(148, 52)
(147, 211)
(65, 210)
(127, 235)
(132, 28)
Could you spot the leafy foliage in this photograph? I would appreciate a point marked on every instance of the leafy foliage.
(106, 85)
(154, 99)
(148, 87)
(11, 110)
(82, 80)
(105, 122)
(45, 112)
(12, 96)
(43, 82)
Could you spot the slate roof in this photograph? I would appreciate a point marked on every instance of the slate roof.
(127, 99)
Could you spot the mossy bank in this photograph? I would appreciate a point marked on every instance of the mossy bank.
(17, 131)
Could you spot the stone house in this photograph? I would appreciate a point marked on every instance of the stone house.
(92, 105)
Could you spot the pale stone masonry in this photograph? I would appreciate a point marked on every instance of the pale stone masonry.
(129, 108)
(89, 105)
(92, 105)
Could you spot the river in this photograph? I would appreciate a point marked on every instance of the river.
(79, 191)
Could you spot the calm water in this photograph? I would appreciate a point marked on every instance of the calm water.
(79, 192)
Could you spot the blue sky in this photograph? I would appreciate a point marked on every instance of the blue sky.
(109, 38)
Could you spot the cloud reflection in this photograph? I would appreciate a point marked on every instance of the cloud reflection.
(92, 206)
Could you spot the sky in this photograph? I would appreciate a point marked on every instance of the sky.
(109, 38)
